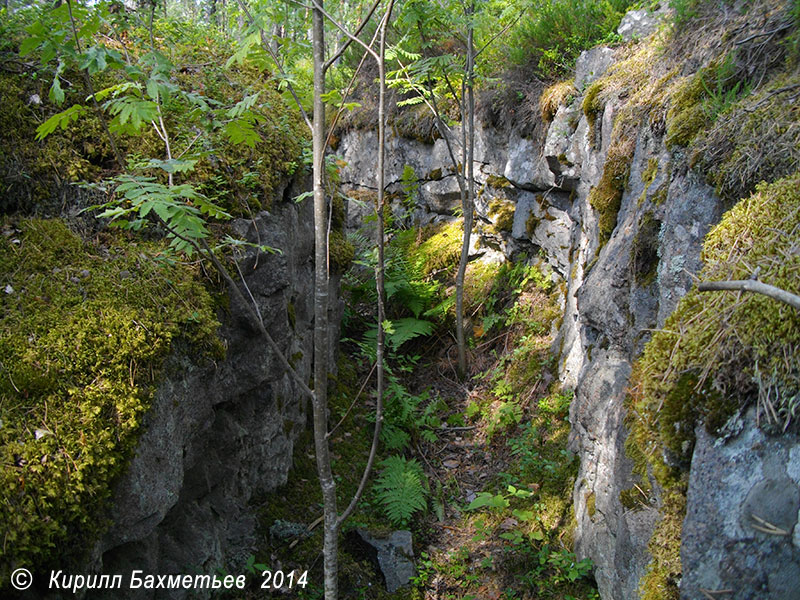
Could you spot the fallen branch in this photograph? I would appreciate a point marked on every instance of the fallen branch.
(751, 285)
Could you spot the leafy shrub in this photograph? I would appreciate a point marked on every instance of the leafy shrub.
(553, 33)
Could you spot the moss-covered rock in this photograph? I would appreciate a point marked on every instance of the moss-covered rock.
(440, 250)
(758, 140)
(606, 196)
(660, 582)
(501, 213)
(554, 96)
(716, 354)
(85, 328)
(686, 116)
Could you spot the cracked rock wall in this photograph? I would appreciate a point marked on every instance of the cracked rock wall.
(617, 293)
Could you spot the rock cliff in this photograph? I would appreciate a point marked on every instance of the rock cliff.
(218, 436)
(215, 437)
(615, 197)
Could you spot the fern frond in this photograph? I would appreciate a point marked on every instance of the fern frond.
(400, 489)
(394, 438)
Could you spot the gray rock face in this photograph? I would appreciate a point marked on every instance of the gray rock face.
(395, 556)
(219, 433)
(592, 64)
(740, 530)
(638, 24)
(616, 294)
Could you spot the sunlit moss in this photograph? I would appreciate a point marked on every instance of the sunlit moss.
(660, 581)
(714, 355)
(502, 214)
(606, 196)
(85, 329)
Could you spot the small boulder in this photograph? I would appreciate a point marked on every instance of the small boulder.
(394, 555)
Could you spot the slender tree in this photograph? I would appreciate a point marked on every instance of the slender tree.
(432, 77)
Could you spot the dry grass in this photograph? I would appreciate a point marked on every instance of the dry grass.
(554, 96)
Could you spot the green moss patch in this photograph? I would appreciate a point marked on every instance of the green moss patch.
(716, 354)
(502, 214)
(715, 346)
(686, 116)
(84, 330)
(606, 196)
(759, 140)
(660, 581)
(440, 250)
(593, 103)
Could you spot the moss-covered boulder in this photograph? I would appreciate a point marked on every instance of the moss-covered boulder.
(85, 329)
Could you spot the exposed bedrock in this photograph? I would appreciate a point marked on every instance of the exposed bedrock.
(619, 286)
(218, 435)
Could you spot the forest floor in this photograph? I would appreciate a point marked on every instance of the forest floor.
(498, 477)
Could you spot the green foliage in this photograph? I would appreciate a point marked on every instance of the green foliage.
(408, 417)
(231, 123)
(180, 208)
(84, 331)
(400, 489)
(403, 330)
(556, 32)
(498, 502)
(62, 119)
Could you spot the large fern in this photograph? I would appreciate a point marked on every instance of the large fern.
(400, 489)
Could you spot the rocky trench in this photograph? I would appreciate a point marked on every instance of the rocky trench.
(219, 436)
(614, 295)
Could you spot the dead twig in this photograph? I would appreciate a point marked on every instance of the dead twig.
(765, 526)
(751, 285)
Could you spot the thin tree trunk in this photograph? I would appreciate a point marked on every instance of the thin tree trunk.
(379, 268)
(468, 151)
(321, 334)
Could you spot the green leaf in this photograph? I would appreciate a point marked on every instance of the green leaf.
(400, 489)
(299, 198)
(245, 46)
(29, 45)
(94, 60)
(116, 90)
(62, 119)
(130, 112)
(242, 131)
(243, 106)
(56, 93)
(407, 329)
(485, 499)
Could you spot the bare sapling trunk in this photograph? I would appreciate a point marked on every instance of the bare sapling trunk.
(468, 199)
(321, 327)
